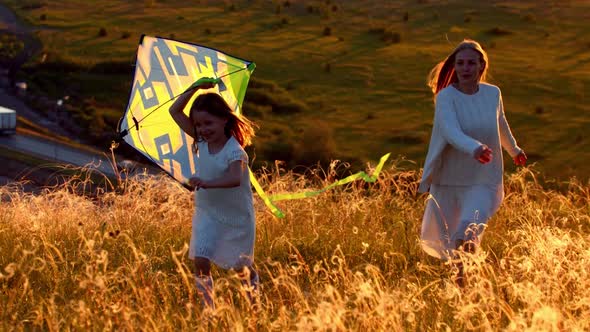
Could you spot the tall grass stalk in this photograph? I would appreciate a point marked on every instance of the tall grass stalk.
(348, 259)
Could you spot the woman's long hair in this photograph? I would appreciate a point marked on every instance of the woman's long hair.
(443, 74)
(237, 125)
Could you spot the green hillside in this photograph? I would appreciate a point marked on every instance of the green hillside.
(355, 70)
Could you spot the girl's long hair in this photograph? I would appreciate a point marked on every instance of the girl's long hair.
(238, 126)
(443, 74)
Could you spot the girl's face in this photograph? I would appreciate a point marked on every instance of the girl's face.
(209, 127)
(468, 66)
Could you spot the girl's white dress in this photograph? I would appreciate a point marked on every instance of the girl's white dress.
(224, 221)
(463, 192)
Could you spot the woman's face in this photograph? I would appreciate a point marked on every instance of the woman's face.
(209, 127)
(468, 66)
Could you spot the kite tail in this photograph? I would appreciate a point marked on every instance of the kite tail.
(269, 200)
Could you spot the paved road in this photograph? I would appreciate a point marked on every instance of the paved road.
(54, 151)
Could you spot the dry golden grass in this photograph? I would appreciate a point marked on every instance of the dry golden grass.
(345, 260)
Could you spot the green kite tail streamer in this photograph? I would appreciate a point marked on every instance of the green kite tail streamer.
(360, 175)
(264, 196)
(268, 200)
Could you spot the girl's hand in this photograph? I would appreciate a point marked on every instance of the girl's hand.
(203, 83)
(520, 159)
(197, 183)
(483, 154)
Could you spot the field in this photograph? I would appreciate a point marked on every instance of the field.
(86, 255)
(355, 70)
(345, 260)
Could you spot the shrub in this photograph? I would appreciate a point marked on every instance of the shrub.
(407, 139)
(391, 37)
(377, 30)
(112, 68)
(499, 32)
(386, 35)
(256, 111)
(529, 18)
(263, 84)
(327, 31)
(316, 146)
(33, 5)
(10, 47)
(288, 107)
(269, 95)
(278, 150)
(102, 32)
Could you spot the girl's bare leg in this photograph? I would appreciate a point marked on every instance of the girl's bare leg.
(250, 282)
(204, 281)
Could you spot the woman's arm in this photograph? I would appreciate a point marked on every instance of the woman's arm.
(451, 130)
(509, 143)
(506, 138)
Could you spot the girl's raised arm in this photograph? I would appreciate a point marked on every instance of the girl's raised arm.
(176, 111)
(177, 108)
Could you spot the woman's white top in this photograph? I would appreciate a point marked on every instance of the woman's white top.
(462, 123)
(224, 220)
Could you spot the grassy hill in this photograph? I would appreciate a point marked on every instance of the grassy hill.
(356, 69)
(347, 260)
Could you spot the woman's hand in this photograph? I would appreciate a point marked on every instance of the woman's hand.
(520, 159)
(197, 183)
(483, 154)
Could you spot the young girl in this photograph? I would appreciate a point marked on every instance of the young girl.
(223, 226)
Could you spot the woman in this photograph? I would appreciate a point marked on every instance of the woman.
(464, 168)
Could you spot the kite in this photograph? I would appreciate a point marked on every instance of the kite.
(166, 68)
